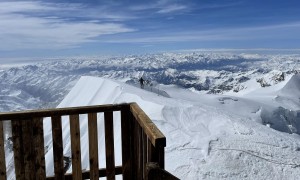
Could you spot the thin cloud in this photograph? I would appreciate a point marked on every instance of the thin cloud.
(21, 27)
(143, 7)
(172, 8)
(160, 7)
(237, 33)
(175, 37)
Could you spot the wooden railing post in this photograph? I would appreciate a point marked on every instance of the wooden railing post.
(28, 150)
(2, 154)
(156, 154)
(93, 146)
(75, 147)
(145, 152)
(109, 145)
(28, 145)
(149, 142)
(18, 149)
(127, 144)
(38, 147)
(57, 147)
(138, 151)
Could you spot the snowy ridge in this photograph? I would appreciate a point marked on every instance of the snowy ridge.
(225, 116)
(204, 140)
(45, 84)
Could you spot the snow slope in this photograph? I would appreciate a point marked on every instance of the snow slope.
(45, 84)
(222, 125)
(205, 138)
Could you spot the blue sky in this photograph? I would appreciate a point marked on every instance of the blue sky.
(49, 28)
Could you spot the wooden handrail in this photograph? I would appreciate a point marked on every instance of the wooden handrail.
(23, 115)
(155, 135)
(142, 142)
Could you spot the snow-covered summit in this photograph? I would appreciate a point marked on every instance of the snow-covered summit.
(45, 84)
(206, 139)
(230, 116)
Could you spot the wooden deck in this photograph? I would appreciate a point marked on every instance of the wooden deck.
(142, 144)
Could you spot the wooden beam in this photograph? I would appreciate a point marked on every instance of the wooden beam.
(93, 146)
(86, 173)
(39, 151)
(2, 154)
(61, 111)
(109, 145)
(139, 146)
(156, 154)
(152, 152)
(75, 146)
(161, 157)
(153, 133)
(18, 149)
(57, 147)
(29, 156)
(145, 153)
(137, 152)
(127, 144)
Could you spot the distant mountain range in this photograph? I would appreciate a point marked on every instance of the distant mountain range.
(45, 84)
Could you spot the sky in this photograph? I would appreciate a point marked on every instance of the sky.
(49, 28)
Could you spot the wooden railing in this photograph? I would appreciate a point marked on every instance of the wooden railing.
(142, 142)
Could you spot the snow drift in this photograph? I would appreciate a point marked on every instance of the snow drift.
(292, 88)
(208, 136)
(205, 138)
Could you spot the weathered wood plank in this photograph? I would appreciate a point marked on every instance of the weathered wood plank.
(75, 146)
(156, 154)
(29, 156)
(145, 152)
(109, 145)
(126, 144)
(18, 149)
(137, 154)
(135, 150)
(153, 133)
(2, 154)
(39, 151)
(141, 153)
(152, 152)
(93, 146)
(161, 157)
(61, 111)
(57, 147)
(86, 173)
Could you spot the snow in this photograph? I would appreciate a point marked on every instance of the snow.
(292, 88)
(205, 140)
(220, 123)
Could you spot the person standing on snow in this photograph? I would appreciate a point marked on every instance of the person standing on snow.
(142, 82)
